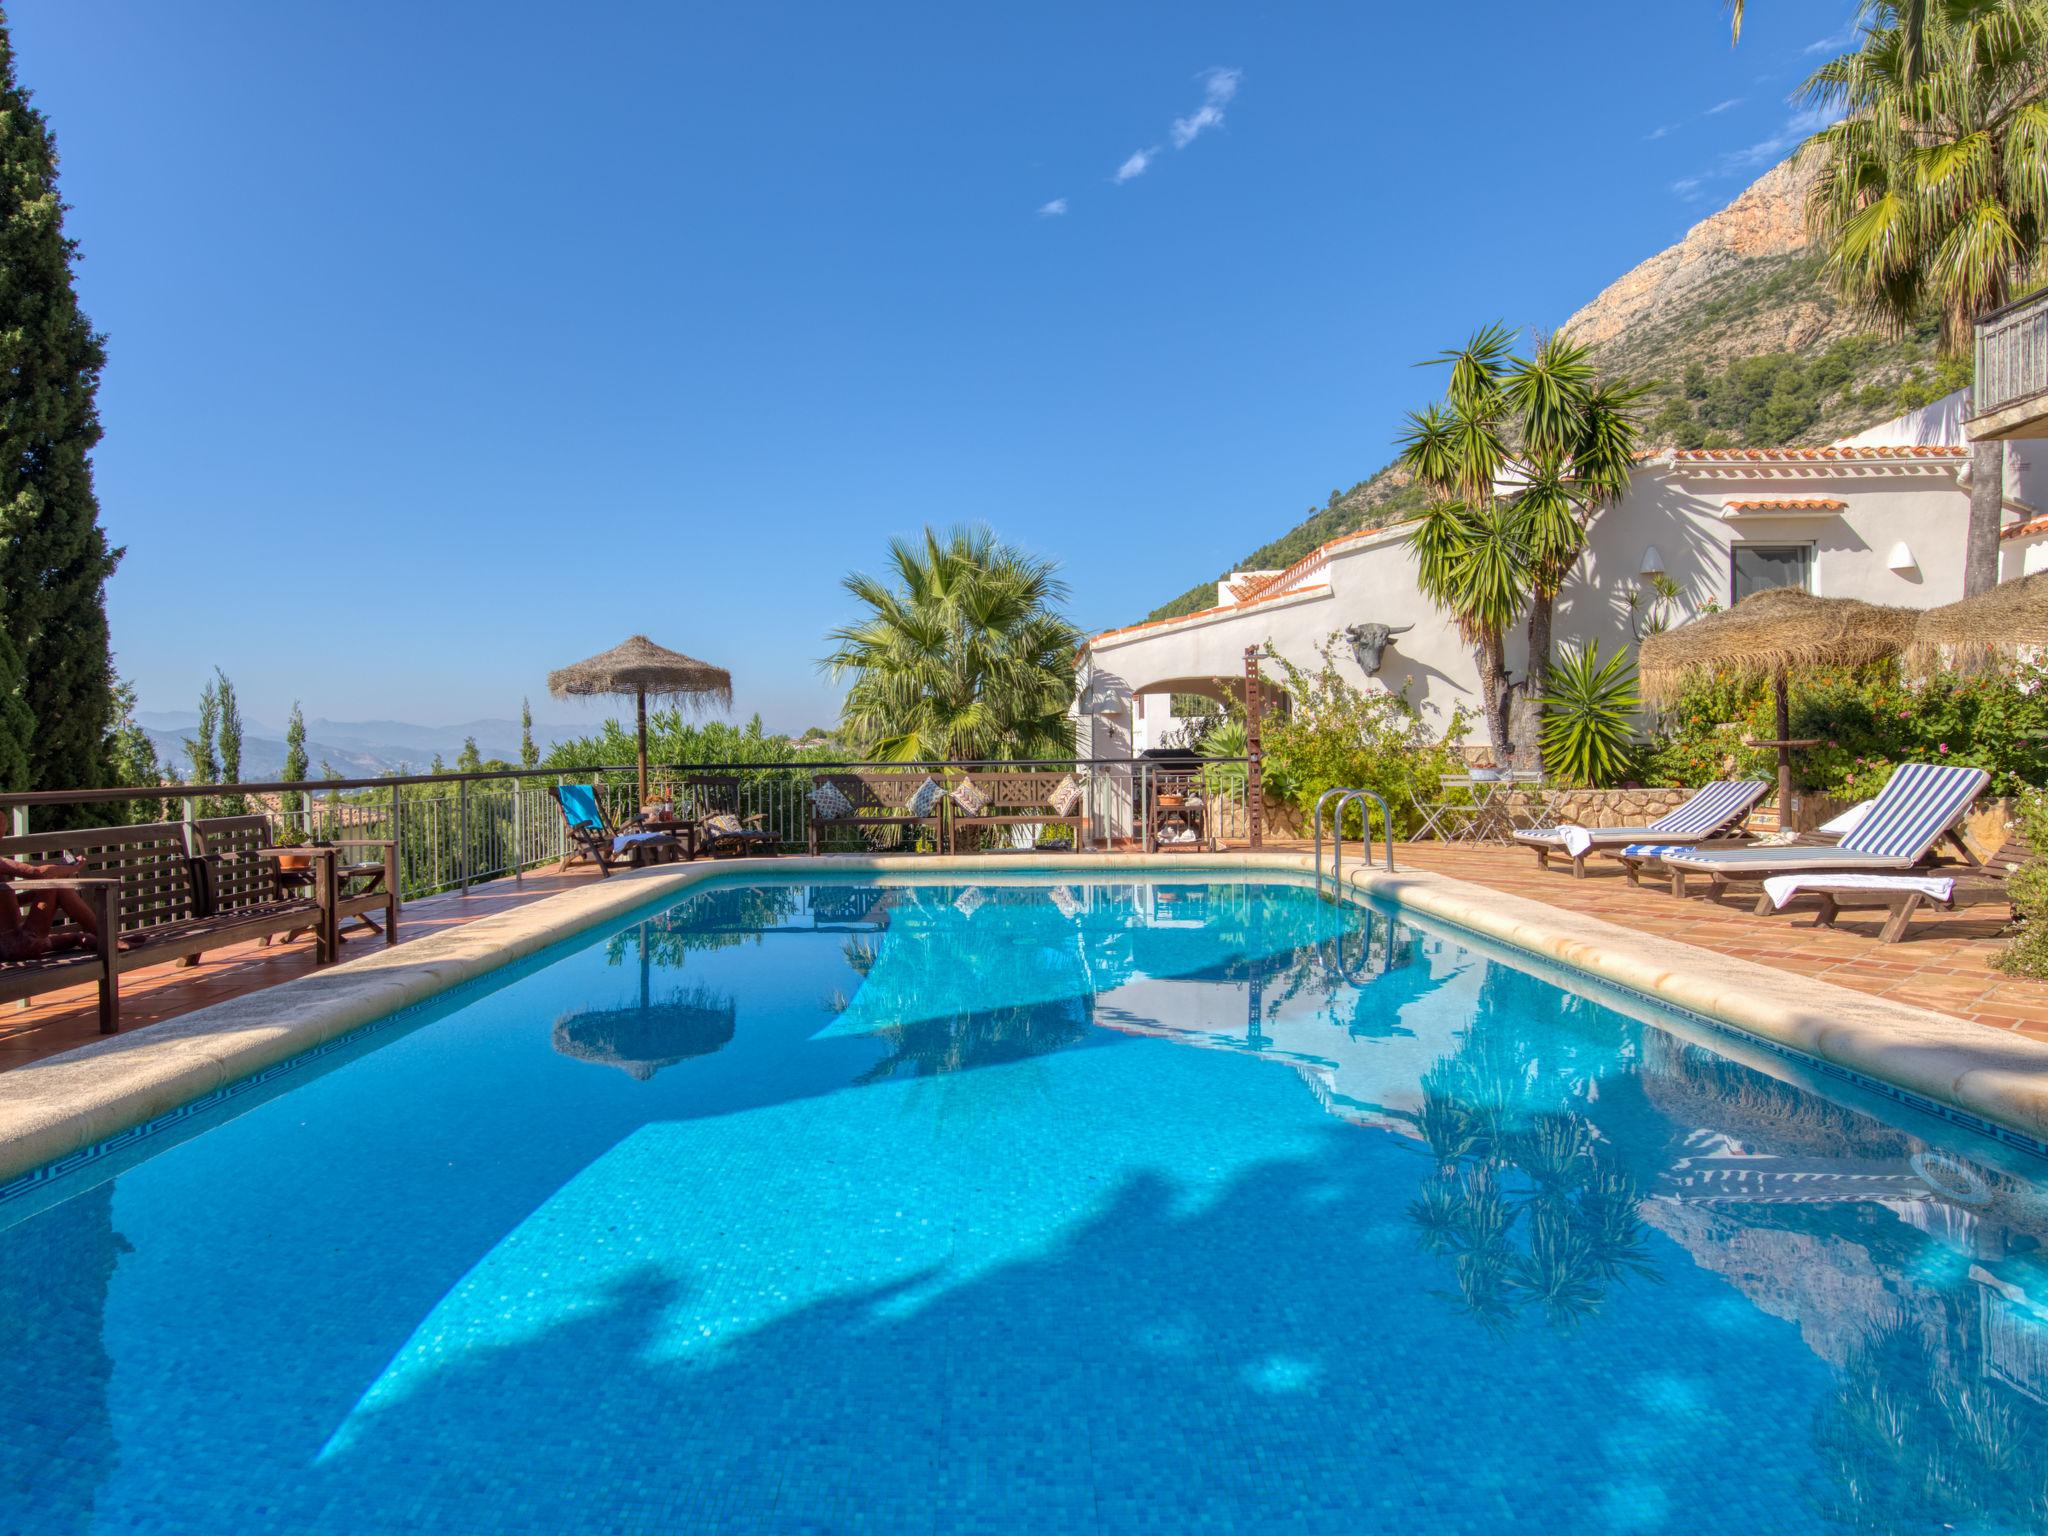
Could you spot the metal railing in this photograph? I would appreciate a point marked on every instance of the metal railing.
(2012, 354)
(1345, 798)
(455, 830)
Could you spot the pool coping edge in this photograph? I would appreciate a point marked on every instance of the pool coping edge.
(52, 1109)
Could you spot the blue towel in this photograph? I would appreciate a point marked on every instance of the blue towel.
(579, 804)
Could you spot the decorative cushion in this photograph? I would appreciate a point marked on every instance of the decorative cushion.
(1065, 796)
(925, 802)
(829, 803)
(721, 823)
(970, 799)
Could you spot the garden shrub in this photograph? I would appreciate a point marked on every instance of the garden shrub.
(2027, 954)
(1336, 736)
(1867, 721)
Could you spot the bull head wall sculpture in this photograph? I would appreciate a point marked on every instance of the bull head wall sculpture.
(1369, 643)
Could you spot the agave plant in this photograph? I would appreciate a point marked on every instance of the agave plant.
(1589, 716)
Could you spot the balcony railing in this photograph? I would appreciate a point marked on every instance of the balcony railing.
(455, 830)
(2012, 354)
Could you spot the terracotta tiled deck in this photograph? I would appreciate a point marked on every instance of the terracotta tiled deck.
(1944, 964)
(59, 1021)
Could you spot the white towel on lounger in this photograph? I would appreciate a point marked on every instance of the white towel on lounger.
(1782, 888)
(626, 840)
(1576, 840)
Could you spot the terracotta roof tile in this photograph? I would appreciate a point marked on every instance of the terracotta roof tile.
(1841, 453)
(1789, 504)
(1203, 613)
(2028, 526)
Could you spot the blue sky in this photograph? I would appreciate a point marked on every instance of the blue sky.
(449, 343)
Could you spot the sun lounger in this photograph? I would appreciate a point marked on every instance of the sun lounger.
(1920, 805)
(1902, 896)
(1713, 811)
(594, 837)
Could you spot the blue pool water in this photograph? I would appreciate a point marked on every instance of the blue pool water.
(1025, 1206)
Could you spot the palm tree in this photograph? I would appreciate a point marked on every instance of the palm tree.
(1912, 26)
(1518, 459)
(961, 657)
(1933, 187)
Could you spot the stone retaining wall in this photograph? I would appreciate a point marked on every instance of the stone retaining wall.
(1615, 807)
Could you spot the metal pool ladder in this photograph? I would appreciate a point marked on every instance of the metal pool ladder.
(1345, 797)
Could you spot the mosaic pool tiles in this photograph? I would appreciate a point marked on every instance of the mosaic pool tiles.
(1412, 1240)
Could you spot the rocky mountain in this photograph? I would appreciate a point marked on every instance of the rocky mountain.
(1739, 339)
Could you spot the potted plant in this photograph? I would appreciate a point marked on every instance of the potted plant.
(291, 835)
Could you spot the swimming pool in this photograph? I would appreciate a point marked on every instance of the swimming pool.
(1154, 1204)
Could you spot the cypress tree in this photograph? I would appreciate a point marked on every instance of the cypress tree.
(199, 751)
(230, 746)
(295, 765)
(17, 725)
(54, 556)
(529, 754)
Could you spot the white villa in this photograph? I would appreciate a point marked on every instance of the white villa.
(1880, 517)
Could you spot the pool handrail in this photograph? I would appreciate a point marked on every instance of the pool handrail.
(1346, 796)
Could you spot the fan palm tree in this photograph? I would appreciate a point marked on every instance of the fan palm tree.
(1932, 192)
(1518, 459)
(962, 656)
(1912, 25)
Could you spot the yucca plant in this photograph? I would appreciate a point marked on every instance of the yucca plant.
(1588, 716)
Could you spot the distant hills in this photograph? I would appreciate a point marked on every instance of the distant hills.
(1736, 331)
(356, 749)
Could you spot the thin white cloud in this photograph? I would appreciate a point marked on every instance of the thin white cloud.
(1218, 86)
(1799, 127)
(1834, 42)
(1053, 209)
(1135, 166)
(1751, 158)
(1663, 130)
(1723, 106)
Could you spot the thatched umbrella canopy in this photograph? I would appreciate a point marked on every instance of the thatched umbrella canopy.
(1983, 628)
(642, 669)
(1768, 634)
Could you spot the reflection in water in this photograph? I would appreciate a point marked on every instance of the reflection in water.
(1575, 1182)
(56, 1431)
(692, 1022)
(1523, 1200)
(660, 1030)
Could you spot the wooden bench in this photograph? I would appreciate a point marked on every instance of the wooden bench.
(23, 979)
(161, 910)
(1015, 800)
(880, 800)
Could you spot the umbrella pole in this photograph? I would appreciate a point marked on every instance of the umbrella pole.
(1784, 756)
(641, 695)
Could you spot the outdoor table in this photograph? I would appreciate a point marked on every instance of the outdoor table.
(369, 875)
(1492, 814)
(683, 827)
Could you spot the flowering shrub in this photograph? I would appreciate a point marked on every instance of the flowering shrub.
(2027, 955)
(1338, 736)
(1867, 723)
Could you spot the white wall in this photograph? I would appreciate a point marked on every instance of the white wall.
(1677, 508)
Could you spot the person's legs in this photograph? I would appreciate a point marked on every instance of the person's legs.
(19, 936)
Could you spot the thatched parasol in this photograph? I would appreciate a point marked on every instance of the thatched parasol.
(1766, 635)
(1980, 629)
(641, 668)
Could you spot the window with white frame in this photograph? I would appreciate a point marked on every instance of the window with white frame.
(1759, 567)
